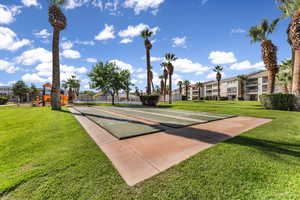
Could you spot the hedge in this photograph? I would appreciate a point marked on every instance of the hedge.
(278, 101)
(3, 100)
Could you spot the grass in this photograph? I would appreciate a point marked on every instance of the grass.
(47, 155)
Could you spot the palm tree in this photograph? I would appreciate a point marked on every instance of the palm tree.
(260, 33)
(241, 81)
(170, 58)
(199, 85)
(59, 22)
(218, 69)
(74, 86)
(162, 84)
(285, 76)
(180, 87)
(164, 65)
(187, 85)
(291, 8)
(146, 34)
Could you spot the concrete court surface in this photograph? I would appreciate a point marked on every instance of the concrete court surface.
(140, 158)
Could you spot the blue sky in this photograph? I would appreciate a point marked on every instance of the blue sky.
(201, 33)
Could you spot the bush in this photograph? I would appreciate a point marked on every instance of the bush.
(278, 101)
(150, 100)
(3, 100)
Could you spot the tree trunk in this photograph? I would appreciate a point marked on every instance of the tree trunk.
(271, 81)
(127, 95)
(113, 98)
(170, 89)
(219, 91)
(148, 71)
(296, 74)
(55, 101)
(186, 92)
(165, 90)
(285, 89)
(199, 94)
(242, 90)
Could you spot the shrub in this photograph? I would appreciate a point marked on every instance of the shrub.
(3, 100)
(150, 100)
(278, 101)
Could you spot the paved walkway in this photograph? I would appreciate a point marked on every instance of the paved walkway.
(141, 157)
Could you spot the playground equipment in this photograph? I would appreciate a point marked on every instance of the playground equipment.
(47, 95)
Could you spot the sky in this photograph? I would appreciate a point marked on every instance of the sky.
(201, 33)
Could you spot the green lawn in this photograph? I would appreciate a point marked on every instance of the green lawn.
(47, 155)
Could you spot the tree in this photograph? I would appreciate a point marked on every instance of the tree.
(164, 65)
(218, 69)
(199, 85)
(108, 78)
(162, 84)
(59, 22)
(187, 85)
(20, 90)
(88, 92)
(73, 85)
(285, 76)
(180, 87)
(33, 92)
(241, 81)
(170, 58)
(125, 75)
(146, 34)
(291, 8)
(260, 33)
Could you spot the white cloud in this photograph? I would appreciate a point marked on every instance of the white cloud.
(72, 54)
(91, 60)
(122, 65)
(134, 31)
(179, 42)
(212, 75)
(187, 66)
(238, 30)
(111, 5)
(7, 14)
(92, 43)
(10, 41)
(126, 41)
(106, 34)
(67, 45)
(8, 67)
(247, 65)
(220, 57)
(72, 4)
(142, 5)
(34, 56)
(33, 78)
(154, 59)
(42, 34)
(29, 3)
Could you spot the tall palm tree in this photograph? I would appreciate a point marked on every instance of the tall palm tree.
(199, 85)
(164, 65)
(218, 69)
(241, 82)
(59, 22)
(260, 33)
(146, 34)
(180, 87)
(162, 84)
(170, 58)
(291, 8)
(187, 85)
(285, 76)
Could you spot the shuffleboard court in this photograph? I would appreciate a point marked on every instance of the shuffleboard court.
(120, 127)
(188, 114)
(163, 120)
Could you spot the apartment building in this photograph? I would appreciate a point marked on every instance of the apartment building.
(6, 91)
(255, 85)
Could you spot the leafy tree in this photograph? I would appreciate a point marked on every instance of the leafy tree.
(260, 33)
(285, 76)
(199, 85)
(33, 92)
(146, 34)
(180, 87)
(20, 89)
(241, 81)
(170, 58)
(125, 75)
(73, 84)
(218, 69)
(89, 92)
(187, 85)
(108, 78)
(59, 22)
